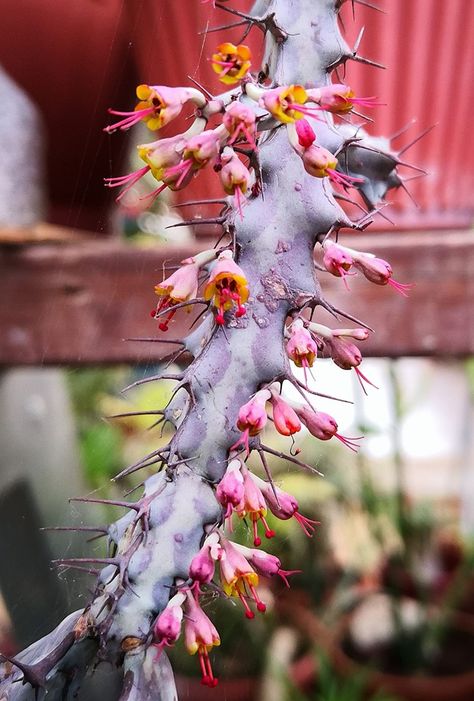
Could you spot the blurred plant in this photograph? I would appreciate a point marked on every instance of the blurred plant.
(331, 687)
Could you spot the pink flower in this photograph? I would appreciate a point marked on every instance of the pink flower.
(238, 578)
(158, 106)
(202, 567)
(301, 347)
(234, 176)
(252, 418)
(167, 627)
(284, 506)
(337, 259)
(321, 163)
(230, 490)
(323, 426)
(378, 271)
(265, 564)
(239, 120)
(227, 287)
(253, 506)
(285, 419)
(339, 99)
(200, 636)
(181, 286)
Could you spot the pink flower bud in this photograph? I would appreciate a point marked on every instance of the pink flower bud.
(239, 120)
(306, 135)
(345, 354)
(324, 427)
(202, 566)
(357, 334)
(337, 260)
(252, 416)
(301, 348)
(378, 271)
(285, 418)
(318, 161)
(230, 490)
(202, 148)
(167, 627)
(265, 564)
(234, 174)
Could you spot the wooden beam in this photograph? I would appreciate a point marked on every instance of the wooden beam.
(75, 303)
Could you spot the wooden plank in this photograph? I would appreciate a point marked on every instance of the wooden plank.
(76, 303)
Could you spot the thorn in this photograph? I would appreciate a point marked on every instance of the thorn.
(200, 87)
(420, 136)
(136, 413)
(198, 222)
(86, 529)
(358, 40)
(222, 26)
(409, 165)
(195, 202)
(109, 502)
(348, 316)
(402, 185)
(414, 177)
(366, 61)
(30, 674)
(67, 561)
(401, 131)
(152, 378)
(88, 570)
(284, 456)
(268, 473)
(143, 462)
(155, 340)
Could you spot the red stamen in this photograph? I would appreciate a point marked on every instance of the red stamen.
(257, 541)
(284, 574)
(260, 605)
(362, 378)
(307, 524)
(269, 532)
(349, 442)
(400, 287)
(248, 611)
(131, 118)
(342, 179)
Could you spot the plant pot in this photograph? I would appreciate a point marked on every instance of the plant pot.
(456, 687)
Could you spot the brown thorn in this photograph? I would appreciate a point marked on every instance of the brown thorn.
(350, 317)
(222, 26)
(420, 136)
(284, 456)
(152, 378)
(136, 413)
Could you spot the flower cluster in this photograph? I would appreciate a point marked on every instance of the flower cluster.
(174, 161)
(226, 287)
(339, 260)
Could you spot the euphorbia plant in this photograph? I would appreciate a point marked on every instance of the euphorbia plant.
(285, 165)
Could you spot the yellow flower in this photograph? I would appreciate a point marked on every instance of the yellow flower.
(282, 103)
(227, 286)
(231, 62)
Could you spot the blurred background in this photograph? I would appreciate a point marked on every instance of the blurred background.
(384, 606)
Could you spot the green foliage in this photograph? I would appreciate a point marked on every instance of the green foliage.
(333, 687)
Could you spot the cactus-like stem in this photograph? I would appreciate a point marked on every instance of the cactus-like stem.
(240, 356)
